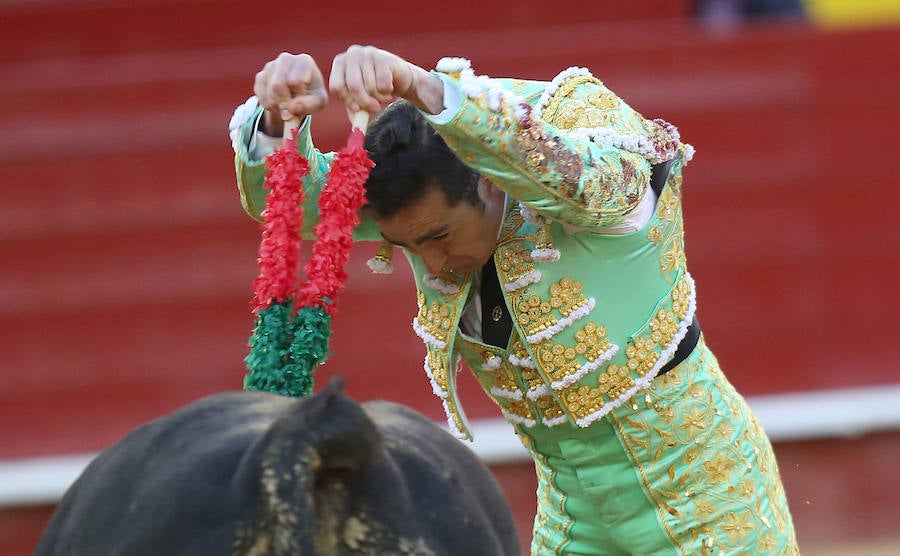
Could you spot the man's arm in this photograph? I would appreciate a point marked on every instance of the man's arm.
(586, 164)
(289, 86)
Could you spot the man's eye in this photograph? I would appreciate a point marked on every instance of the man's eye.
(441, 237)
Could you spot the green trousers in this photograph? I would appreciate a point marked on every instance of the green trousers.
(683, 468)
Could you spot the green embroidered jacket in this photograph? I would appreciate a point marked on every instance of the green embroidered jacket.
(595, 314)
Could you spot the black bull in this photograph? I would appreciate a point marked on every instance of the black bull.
(256, 474)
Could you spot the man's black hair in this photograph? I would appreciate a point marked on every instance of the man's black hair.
(410, 158)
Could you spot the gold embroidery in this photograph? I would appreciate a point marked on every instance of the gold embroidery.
(457, 419)
(582, 400)
(437, 319)
(559, 361)
(710, 464)
(535, 314)
(438, 365)
(530, 376)
(512, 221)
(519, 408)
(642, 355)
(604, 99)
(550, 410)
(502, 377)
(598, 111)
(669, 234)
(514, 262)
(681, 298)
(562, 92)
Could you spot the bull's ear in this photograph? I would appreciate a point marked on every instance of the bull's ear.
(318, 441)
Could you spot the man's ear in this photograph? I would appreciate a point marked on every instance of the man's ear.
(488, 189)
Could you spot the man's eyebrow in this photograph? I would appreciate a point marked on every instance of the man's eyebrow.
(393, 242)
(431, 234)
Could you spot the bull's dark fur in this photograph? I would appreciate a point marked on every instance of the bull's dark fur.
(257, 474)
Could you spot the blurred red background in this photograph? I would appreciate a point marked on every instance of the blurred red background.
(126, 258)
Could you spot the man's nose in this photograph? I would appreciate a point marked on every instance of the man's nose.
(434, 261)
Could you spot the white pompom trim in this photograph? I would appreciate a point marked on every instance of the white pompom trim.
(449, 64)
(435, 387)
(526, 362)
(474, 86)
(562, 324)
(540, 392)
(555, 422)
(507, 394)
(551, 89)
(545, 255)
(519, 419)
(492, 363)
(519, 283)
(439, 284)
(588, 367)
(451, 423)
(688, 152)
(426, 336)
(632, 142)
(530, 215)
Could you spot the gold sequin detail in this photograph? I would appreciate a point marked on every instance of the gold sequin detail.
(519, 408)
(669, 233)
(436, 319)
(438, 365)
(514, 261)
(502, 377)
(559, 361)
(548, 407)
(642, 355)
(530, 376)
(535, 314)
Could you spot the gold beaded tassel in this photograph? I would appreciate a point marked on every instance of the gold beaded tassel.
(381, 262)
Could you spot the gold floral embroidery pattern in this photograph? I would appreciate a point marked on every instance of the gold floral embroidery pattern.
(562, 93)
(598, 111)
(502, 377)
(501, 387)
(434, 323)
(514, 263)
(517, 410)
(551, 412)
(512, 221)
(437, 370)
(588, 402)
(566, 364)
(536, 316)
(670, 231)
(711, 462)
(551, 506)
(455, 419)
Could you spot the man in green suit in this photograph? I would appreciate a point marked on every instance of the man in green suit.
(543, 224)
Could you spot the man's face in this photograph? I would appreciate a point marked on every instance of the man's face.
(459, 238)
